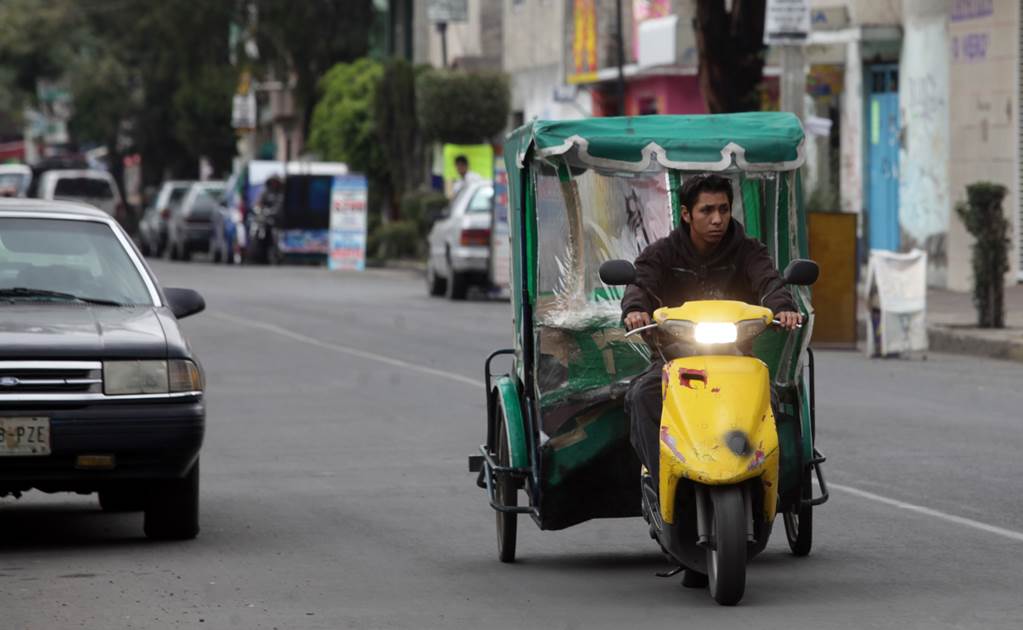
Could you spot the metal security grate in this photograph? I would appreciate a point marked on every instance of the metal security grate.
(50, 377)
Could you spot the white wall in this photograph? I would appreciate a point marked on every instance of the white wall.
(924, 203)
(984, 113)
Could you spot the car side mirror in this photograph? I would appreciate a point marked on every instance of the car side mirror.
(437, 215)
(801, 272)
(184, 302)
(617, 272)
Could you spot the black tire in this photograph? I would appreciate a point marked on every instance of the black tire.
(457, 285)
(186, 252)
(726, 560)
(435, 285)
(799, 521)
(122, 499)
(144, 248)
(215, 254)
(507, 494)
(172, 511)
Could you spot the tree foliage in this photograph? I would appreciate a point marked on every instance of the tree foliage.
(984, 218)
(732, 51)
(462, 108)
(394, 110)
(305, 39)
(343, 128)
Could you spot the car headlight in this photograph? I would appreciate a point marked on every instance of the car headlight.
(715, 332)
(122, 378)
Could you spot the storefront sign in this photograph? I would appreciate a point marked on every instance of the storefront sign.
(448, 11)
(348, 223)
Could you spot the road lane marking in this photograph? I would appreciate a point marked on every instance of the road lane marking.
(362, 354)
(355, 352)
(951, 518)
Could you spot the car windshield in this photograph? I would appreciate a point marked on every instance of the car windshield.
(40, 258)
(83, 187)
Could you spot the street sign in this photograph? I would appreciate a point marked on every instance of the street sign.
(448, 11)
(786, 22)
(243, 111)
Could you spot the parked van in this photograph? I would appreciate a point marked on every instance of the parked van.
(94, 187)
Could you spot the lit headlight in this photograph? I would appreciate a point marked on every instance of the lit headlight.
(715, 332)
(122, 378)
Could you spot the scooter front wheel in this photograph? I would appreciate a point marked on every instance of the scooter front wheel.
(726, 557)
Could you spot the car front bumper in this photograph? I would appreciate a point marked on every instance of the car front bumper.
(147, 440)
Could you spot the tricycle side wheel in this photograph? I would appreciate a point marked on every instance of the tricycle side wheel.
(799, 521)
(507, 494)
(726, 558)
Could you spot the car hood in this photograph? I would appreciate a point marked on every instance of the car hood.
(50, 330)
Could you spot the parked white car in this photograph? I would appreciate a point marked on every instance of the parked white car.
(459, 243)
(96, 188)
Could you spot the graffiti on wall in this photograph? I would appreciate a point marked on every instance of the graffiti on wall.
(924, 203)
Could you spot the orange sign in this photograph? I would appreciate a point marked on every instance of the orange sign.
(584, 43)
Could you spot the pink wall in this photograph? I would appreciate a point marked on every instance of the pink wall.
(671, 94)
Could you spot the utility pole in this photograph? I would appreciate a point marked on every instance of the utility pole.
(620, 45)
(793, 79)
(442, 28)
(787, 25)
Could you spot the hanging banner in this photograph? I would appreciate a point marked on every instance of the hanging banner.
(348, 223)
(584, 42)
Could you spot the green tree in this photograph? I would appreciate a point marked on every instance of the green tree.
(305, 39)
(462, 108)
(401, 140)
(343, 128)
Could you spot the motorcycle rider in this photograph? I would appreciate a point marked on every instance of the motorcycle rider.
(707, 257)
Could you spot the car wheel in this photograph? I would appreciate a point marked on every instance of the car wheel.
(172, 512)
(457, 285)
(214, 254)
(435, 285)
(186, 253)
(122, 499)
(145, 248)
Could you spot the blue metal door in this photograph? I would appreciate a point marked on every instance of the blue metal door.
(883, 157)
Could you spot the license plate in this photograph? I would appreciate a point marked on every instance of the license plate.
(24, 436)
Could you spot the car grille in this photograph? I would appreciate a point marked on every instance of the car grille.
(51, 377)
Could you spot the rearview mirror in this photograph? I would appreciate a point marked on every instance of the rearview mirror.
(801, 272)
(617, 272)
(184, 302)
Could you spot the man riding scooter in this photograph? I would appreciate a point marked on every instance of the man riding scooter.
(707, 257)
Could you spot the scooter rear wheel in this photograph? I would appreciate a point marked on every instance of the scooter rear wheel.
(799, 522)
(507, 494)
(726, 559)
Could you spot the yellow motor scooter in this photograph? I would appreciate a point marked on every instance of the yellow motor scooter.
(714, 504)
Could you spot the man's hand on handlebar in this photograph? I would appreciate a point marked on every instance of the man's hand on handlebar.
(635, 319)
(788, 320)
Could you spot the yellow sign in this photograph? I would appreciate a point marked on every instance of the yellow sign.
(584, 42)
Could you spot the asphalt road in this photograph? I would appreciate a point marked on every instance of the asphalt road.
(335, 493)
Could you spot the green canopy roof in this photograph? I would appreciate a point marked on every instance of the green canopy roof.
(756, 141)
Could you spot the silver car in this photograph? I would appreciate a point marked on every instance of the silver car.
(459, 243)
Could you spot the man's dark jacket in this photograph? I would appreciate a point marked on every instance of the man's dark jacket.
(670, 272)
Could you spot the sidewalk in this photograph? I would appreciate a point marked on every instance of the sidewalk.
(952, 321)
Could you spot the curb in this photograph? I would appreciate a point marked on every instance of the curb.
(964, 340)
(978, 344)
